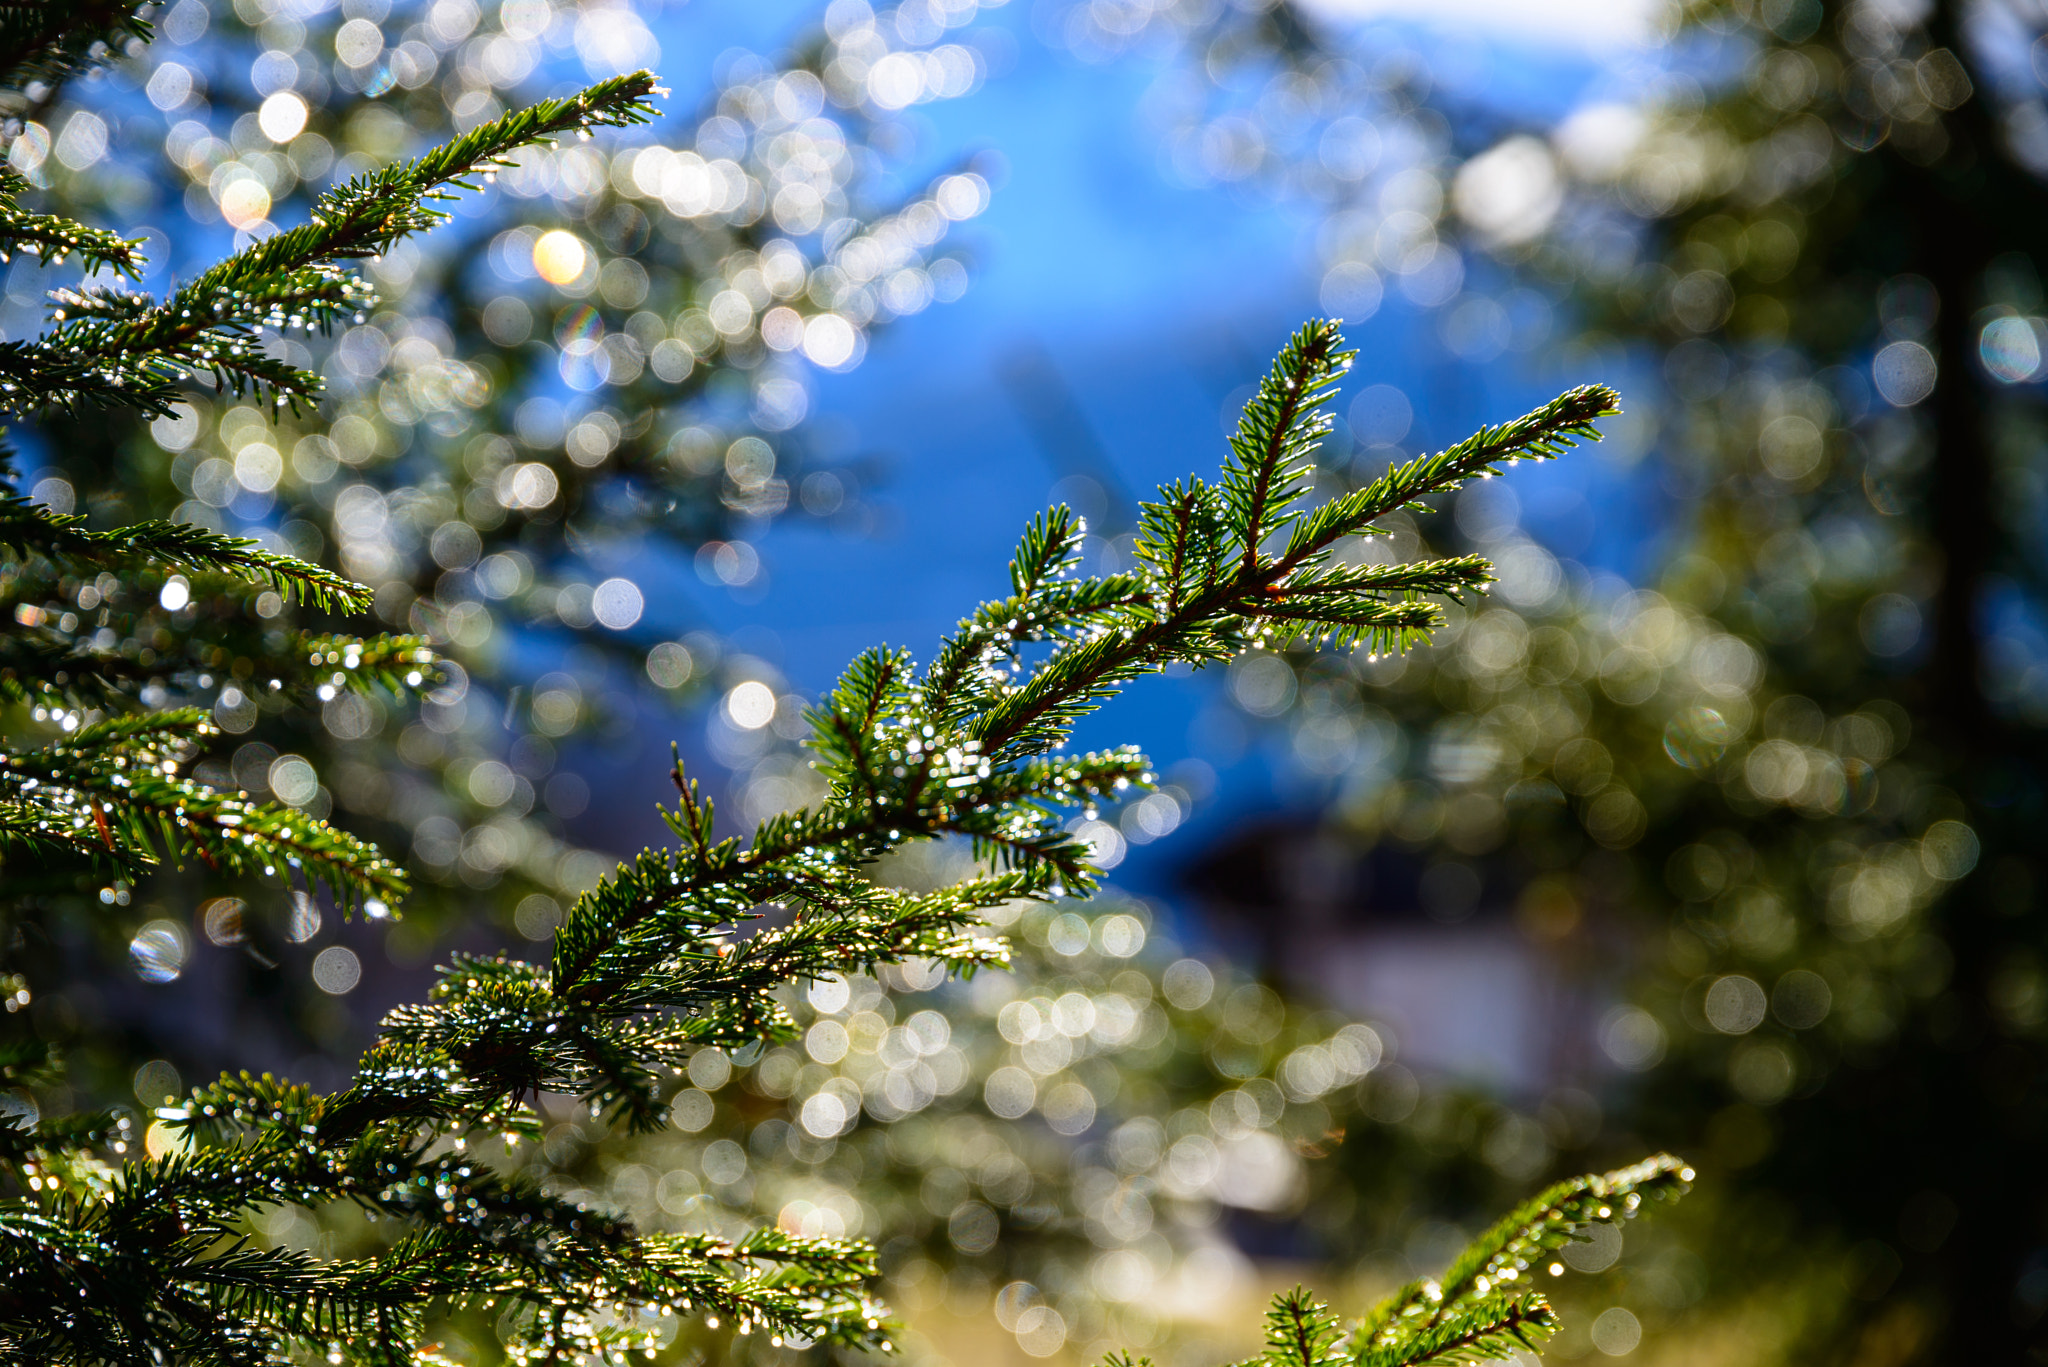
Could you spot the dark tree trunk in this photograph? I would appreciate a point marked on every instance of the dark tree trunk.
(1980, 1136)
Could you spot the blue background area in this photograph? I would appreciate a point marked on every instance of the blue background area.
(1141, 308)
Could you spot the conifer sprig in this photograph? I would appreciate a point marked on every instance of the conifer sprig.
(1486, 1308)
(1543, 434)
(1554, 1218)
(127, 350)
(110, 791)
(43, 664)
(113, 787)
(53, 240)
(28, 528)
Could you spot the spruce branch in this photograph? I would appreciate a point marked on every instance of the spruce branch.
(946, 757)
(1551, 1220)
(1543, 434)
(1480, 1287)
(29, 528)
(1300, 1332)
(104, 640)
(115, 783)
(1482, 1311)
(1488, 1329)
(1273, 449)
(373, 211)
(124, 351)
(53, 240)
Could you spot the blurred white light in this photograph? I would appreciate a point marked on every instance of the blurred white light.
(177, 429)
(1905, 373)
(55, 493)
(824, 1115)
(293, 781)
(751, 705)
(1041, 1331)
(829, 340)
(1352, 291)
(159, 951)
(962, 196)
(1188, 984)
(305, 919)
(617, 603)
(731, 312)
(336, 971)
(829, 995)
(244, 201)
(223, 920)
(559, 257)
(169, 86)
(612, 39)
(83, 141)
(1735, 1005)
(1631, 1037)
(896, 81)
(692, 1110)
(1617, 1332)
(1120, 935)
(532, 485)
(492, 783)
(176, 593)
(1511, 192)
(1010, 1092)
(1105, 842)
(2010, 349)
(670, 664)
(783, 329)
(1597, 141)
(31, 148)
(728, 562)
(282, 117)
(258, 467)
(358, 42)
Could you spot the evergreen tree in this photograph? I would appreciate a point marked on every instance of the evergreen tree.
(149, 1259)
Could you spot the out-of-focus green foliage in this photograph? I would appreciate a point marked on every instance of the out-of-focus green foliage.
(1787, 789)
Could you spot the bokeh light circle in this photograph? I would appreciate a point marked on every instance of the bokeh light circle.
(751, 705)
(282, 117)
(560, 257)
(337, 970)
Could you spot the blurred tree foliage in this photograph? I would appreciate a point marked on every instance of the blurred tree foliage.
(1788, 789)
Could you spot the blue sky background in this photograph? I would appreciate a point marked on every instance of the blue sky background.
(1154, 304)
